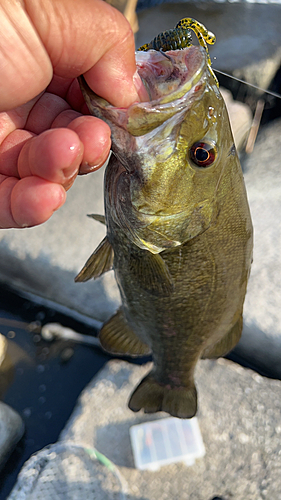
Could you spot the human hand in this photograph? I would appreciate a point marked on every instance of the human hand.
(45, 136)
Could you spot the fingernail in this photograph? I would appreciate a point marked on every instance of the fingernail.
(86, 168)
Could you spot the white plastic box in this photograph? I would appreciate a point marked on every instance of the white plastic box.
(166, 441)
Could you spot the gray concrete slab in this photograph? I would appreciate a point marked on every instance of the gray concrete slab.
(44, 260)
(261, 340)
(239, 417)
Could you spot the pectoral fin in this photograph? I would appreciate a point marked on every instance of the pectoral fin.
(152, 273)
(99, 218)
(99, 263)
(226, 343)
(117, 337)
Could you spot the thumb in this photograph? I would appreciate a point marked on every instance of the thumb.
(68, 38)
(89, 37)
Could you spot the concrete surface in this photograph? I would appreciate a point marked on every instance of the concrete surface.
(261, 340)
(45, 260)
(239, 418)
(144, 4)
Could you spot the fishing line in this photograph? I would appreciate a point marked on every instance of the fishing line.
(274, 94)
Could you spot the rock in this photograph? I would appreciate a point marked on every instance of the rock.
(239, 418)
(11, 431)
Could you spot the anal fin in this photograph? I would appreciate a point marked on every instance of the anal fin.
(152, 273)
(99, 263)
(153, 397)
(226, 343)
(117, 337)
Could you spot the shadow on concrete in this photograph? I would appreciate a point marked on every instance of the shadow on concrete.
(258, 351)
(113, 440)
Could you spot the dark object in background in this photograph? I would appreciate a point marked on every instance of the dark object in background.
(272, 108)
(44, 388)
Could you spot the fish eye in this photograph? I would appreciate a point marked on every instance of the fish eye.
(203, 154)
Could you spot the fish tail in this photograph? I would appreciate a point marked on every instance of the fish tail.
(179, 402)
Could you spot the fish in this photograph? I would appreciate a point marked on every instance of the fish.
(179, 231)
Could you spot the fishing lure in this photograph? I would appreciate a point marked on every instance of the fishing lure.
(180, 37)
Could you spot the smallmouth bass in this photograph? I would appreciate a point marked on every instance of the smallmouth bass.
(179, 231)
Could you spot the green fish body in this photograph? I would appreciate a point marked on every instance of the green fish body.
(179, 232)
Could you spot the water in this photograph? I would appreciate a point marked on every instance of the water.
(46, 379)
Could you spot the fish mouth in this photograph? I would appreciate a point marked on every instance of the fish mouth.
(167, 76)
(173, 81)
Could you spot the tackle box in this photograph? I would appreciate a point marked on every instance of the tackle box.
(166, 441)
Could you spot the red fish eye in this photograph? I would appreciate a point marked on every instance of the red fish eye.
(202, 154)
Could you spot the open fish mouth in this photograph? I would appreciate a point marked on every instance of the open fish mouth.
(173, 81)
(167, 76)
